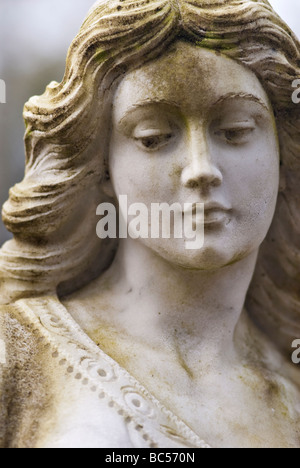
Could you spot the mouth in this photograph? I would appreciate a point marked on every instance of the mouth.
(207, 213)
(215, 216)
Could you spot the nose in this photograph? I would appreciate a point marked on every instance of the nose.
(200, 171)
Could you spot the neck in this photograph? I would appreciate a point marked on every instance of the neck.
(164, 303)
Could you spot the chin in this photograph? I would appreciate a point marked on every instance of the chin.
(208, 258)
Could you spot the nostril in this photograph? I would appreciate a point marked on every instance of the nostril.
(215, 180)
(203, 180)
(193, 183)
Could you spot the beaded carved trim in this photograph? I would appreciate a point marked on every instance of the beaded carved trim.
(153, 424)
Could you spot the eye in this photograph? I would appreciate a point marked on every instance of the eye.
(238, 135)
(153, 134)
(153, 142)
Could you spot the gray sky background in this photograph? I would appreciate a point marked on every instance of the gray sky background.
(34, 39)
(289, 10)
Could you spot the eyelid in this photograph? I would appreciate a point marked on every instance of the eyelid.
(148, 129)
(238, 125)
(150, 132)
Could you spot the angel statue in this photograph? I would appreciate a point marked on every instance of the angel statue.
(138, 341)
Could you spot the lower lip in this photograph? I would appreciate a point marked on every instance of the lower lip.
(211, 217)
(215, 217)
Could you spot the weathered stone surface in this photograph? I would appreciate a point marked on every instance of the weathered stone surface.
(142, 342)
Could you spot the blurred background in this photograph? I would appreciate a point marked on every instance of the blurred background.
(34, 39)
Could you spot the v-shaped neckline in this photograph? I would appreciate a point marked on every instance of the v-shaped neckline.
(65, 334)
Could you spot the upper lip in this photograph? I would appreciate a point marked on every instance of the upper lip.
(209, 206)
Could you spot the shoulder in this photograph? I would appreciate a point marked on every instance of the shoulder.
(15, 334)
(22, 389)
(18, 345)
(11, 332)
(12, 339)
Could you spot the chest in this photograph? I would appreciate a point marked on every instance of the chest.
(240, 407)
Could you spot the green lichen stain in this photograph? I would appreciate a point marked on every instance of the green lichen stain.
(102, 55)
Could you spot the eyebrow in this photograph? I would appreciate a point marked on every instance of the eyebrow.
(245, 96)
(222, 99)
(147, 102)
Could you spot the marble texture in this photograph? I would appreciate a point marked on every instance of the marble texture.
(141, 342)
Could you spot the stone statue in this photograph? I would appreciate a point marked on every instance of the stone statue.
(141, 342)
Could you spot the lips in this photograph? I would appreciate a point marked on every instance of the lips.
(214, 213)
(215, 216)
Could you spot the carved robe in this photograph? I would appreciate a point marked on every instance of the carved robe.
(59, 390)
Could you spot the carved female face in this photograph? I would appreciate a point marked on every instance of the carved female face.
(196, 127)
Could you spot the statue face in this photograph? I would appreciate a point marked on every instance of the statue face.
(196, 127)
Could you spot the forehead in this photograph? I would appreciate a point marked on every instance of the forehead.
(189, 77)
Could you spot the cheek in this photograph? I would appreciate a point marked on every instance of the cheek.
(142, 177)
(255, 191)
(254, 172)
(132, 174)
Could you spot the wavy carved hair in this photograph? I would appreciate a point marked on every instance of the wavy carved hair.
(52, 213)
